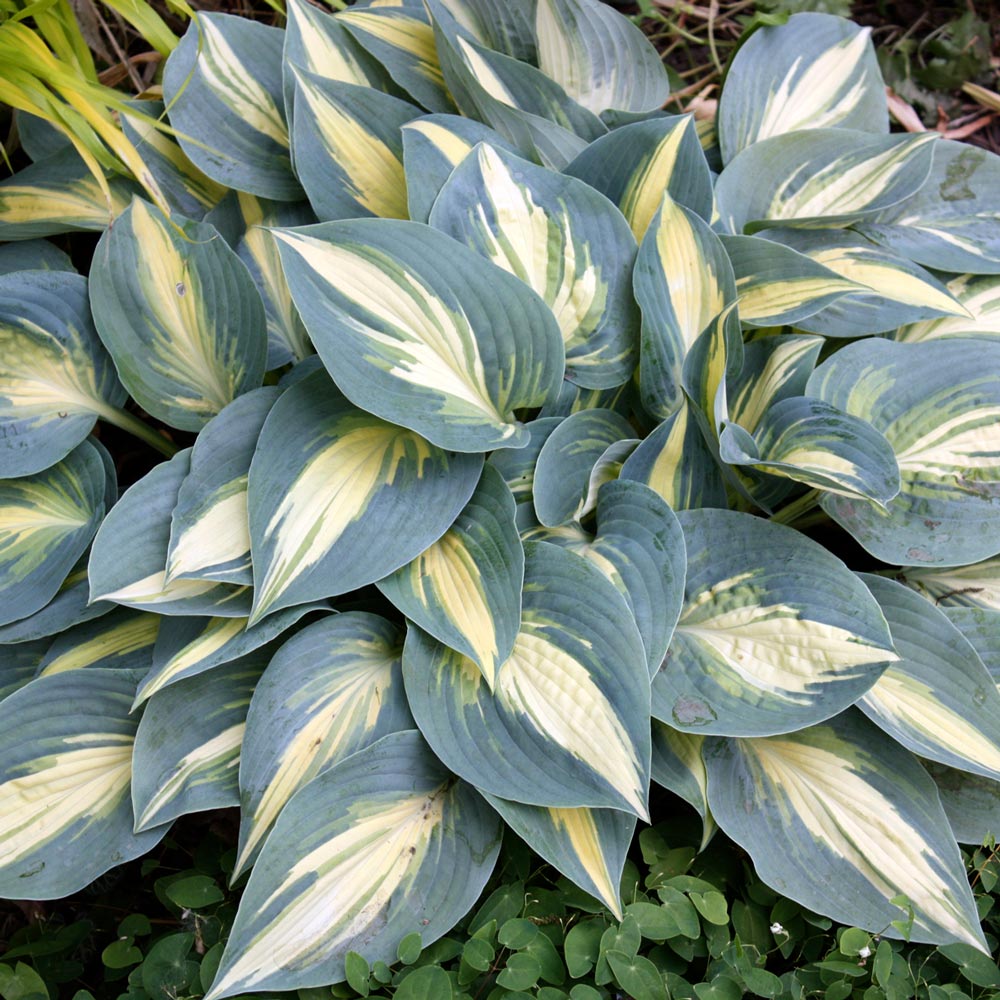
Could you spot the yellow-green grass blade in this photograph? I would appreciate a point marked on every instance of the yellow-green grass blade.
(186, 189)
(55, 376)
(938, 699)
(675, 462)
(19, 664)
(209, 526)
(776, 633)
(422, 331)
(634, 165)
(33, 255)
(59, 194)
(186, 761)
(223, 89)
(778, 285)
(385, 842)
(600, 58)
(815, 71)
(517, 466)
(339, 498)
(348, 148)
(821, 177)
(465, 588)
(188, 646)
(245, 222)
(562, 489)
(971, 803)
(328, 692)
(979, 295)
(129, 556)
(950, 223)
(812, 442)
(179, 313)
(46, 523)
(432, 147)
(402, 40)
(528, 108)
(683, 280)
(774, 368)
(562, 726)
(938, 404)
(973, 586)
(842, 819)
(69, 607)
(562, 239)
(588, 846)
(65, 769)
(121, 640)
(896, 290)
(678, 766)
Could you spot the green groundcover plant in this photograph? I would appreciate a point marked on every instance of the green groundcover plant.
(516, 435)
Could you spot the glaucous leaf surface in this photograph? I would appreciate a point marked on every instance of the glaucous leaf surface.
(678, 766)
(121, 640)
(33, 255)
(517, 466)
(979, 295)
(971, 803)
(973, 586)
(19, 664)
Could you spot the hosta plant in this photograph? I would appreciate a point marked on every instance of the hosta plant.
(521, 445)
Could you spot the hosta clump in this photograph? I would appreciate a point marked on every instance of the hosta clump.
(494, 426)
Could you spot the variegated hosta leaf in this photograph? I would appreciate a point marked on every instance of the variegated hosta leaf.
(675, 462)
(634, 165)
(55, 376)
(563, 486)
(528, 108)
(816, 71)
(981, 627)
(38, 137)
(465, 589)
(679, 767)
(897, 291)
(561, 238)
(186, 189)
(121, 640)
(65, 768)
(34, 255)
(403, 42)
(320, 43)
(588, 846)
(565, 725)
(179, 314)
(778, 285)
(58, 195)
(979, 296)
(971, 803)
(223, 87)
(348, 148)
(422, 331)
(600, 58)
(46, 523)
(826, 176)
(19, 664)
(508, 28)
(128, 559)
(333, 689)
(572, 399)
(812, 442)
(69, 607)
(382, 843)
(432, 147)
(938, 404)
(186, 647)
(188, 761)
(938, 700)
(774, 368)
(776, 633)
(517, 466)
(339, 498)
(245, 221)
(683, 280)
(950, 224)
(975, 586)
(842, 819)
(209, 528)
